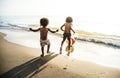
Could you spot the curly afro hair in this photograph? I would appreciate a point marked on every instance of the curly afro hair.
(69, 19)
(44, 22)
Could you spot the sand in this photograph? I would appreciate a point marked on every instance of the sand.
(18, 61)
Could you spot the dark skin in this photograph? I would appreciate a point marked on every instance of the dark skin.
(67, 30)
(43, 32)
(43, 36)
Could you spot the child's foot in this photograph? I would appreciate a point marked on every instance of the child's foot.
(68, 53)
(42, 55)
(60, 50)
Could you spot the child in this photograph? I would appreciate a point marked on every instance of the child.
(44, 34)
(67, 32)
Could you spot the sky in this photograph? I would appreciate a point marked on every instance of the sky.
(98, 14)
(96, 8)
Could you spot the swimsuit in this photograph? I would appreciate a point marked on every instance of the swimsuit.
(44, 42)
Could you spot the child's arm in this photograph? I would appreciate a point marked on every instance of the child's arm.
(53, 31)
(62, 27)
(34, 30)
(72, 30)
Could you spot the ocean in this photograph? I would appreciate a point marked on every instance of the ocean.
(17, 30)
(24, 22)
(79, 23)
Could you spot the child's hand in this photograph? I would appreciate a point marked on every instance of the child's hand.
(74, 32)
(30, 28)
(57, 30)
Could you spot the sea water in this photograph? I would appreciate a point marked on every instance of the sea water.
(17, 30)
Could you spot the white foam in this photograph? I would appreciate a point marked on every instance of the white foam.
(25, 38)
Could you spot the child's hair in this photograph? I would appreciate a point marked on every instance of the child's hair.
(44, 22)
(69, 19)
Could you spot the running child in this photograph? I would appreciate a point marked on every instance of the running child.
(67, 32)
(44, 34)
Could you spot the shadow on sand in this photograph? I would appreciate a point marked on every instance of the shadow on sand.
(31, 67)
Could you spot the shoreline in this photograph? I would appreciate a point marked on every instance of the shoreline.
(20, 61)
(87, 51)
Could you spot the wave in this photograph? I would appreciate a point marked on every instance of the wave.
(6, 25)
(113, 41)
(106, 41)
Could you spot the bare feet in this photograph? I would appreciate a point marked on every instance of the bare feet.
(68, 53)
(42, 55)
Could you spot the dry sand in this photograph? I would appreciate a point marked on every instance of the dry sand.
(18, 61)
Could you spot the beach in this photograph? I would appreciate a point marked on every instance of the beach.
(18, 61)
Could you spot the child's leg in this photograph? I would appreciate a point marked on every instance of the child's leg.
(48, 47)
(62, 42)
(64, 38)
(69, 42)
(42, 48)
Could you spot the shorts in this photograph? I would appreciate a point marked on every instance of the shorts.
(44, 42)
(67, 35)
